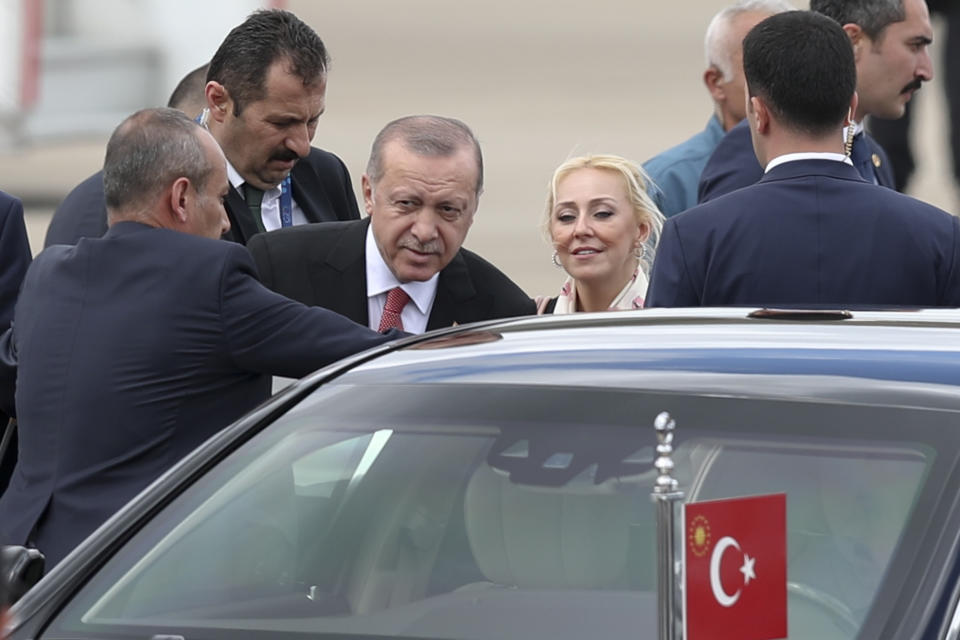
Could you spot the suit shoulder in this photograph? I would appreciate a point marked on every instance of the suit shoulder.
(7, 202)
(487, 277)
(313, 234)
(90, 190)
(322, 160)
(479, 265)
(910, 208)
(710, 211)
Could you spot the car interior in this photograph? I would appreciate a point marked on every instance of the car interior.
(488, 530)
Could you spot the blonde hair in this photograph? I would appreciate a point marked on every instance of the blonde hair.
(638, 185)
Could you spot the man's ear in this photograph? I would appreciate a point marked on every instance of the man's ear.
(367, 189)
(761, 114)
(854, 103)
(858, 38)
(179, 196)
(218, 100)
(713, 80)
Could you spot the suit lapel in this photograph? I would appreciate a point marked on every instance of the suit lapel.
(348, 296)
(314, 203)
(242, 226)
(454, 291)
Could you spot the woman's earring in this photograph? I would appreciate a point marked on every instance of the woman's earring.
(556, 260)
(639, 251)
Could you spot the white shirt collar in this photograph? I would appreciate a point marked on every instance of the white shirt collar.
(237, 182)
(380, 279)
(810, 155)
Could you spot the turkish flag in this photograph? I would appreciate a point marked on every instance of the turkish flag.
(735, 561)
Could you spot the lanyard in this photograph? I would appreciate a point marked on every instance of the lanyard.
(286, 203)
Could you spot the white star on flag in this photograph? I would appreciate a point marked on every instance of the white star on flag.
(747, 569)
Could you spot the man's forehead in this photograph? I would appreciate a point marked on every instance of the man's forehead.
(399, 156)
(915, 24)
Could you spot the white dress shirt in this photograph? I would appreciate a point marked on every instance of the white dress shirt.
(380, 280)
(270, 207)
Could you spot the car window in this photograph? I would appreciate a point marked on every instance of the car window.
(500, 512)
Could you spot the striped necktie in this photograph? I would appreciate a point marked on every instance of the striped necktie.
(397, 299)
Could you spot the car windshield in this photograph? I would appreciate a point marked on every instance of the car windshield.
(509, 511)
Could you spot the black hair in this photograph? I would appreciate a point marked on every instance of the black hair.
(872, 16)
(189, 89)
(801, 65)
(266, 36)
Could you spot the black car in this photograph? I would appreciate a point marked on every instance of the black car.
(494, 480)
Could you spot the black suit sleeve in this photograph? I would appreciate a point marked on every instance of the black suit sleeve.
(259, 249)
(268, 333)
(670, 284)
(15, 256)
(8, 377)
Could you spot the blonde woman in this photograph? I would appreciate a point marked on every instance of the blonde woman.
(604, 228)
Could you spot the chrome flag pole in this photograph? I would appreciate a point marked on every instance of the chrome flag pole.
(669, 503)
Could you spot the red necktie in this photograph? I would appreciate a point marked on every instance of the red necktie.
(397, 299)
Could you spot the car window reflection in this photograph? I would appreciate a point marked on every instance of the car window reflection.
(513, 516)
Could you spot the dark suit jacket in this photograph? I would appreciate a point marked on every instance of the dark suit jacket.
(810, 233)
(133, 349)
(82, 214)
(15, 257)
(325, 265)
(734, 165)
(321, 187)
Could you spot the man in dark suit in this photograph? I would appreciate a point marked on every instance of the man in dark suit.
(83, 213)
(265, 89)
(15, 257)
(421, 190)
(894, 135)
(135, 347)
(890, 41)
(812, 232)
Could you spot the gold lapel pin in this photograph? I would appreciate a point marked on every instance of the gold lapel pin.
(876, 161)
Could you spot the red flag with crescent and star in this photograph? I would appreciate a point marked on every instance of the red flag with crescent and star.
(735, 561)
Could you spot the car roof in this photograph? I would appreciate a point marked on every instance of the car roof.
(902, 358)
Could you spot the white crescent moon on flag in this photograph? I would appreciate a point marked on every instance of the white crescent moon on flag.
(715, 558)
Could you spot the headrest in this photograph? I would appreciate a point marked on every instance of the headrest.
(535, 537)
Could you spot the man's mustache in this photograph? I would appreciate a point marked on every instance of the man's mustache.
(913, 86)
(285, 156)
(420, 247)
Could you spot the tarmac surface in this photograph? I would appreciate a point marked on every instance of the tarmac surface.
(537, 80)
